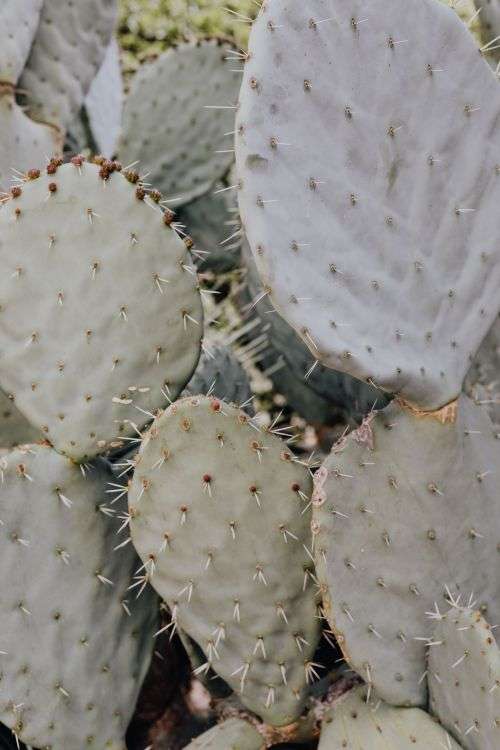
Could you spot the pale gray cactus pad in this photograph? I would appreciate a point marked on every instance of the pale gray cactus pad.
(232, 734)
(24, 144)
(210, 489)
(104, 102)
(320, 395)
(356, 724)
(18, 22)
(406, 514)
(75, 642)
(14, 427)
(114, 318)
(168, 124)
(464, 678)
(67, 52)
(483, 379)
(367, 149)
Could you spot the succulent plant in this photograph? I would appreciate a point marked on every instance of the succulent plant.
(14, 427)
(98, 348)
(483, 379)
(406, 515)
(18, 21)
(464, 677)
(255, 621)
(183, 140)
(220, 374)
(370, 236)
(68, 49)
(232, 734)
(75, 643)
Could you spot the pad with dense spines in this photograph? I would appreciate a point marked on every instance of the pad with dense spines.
(210, 221)
(355, 724)
(406, 514)
(75, 642)
(67, 52)
(100, 309)
(18, 23)
(318, 394)
(220, 374)
(219, 514)
(375, 231)
(483, 379)
(24, 144)
(232, 734)
(14, 427)
(177, 116)
(464, 678)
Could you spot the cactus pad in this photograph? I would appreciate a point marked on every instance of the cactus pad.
(220, 374)
(101, 316)
(232, 734)
(406, 515)
(67, 52)
(24, 144)
(104, 103)
(18, 23)
(168, 125)
(255, 620)
(483, 379)
(372, 235)
(75, 643)
(464, 678)
(14, 427)
(356, 724)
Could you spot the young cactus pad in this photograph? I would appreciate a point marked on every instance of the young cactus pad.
(67, 52)
(464, 678)
(406, 516)
(219, 516)
(360, 724)
(75, 642)
(375, 231)
(232, 734)
(101, 314)
(179, 116)
(18, 22)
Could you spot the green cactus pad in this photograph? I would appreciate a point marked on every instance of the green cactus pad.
(371, 232)
(18, 23)
(219, 514)
(464, 678)
(220, 374)
(233, 734)
(101, 314)
(14, 427)
(167, 123)
(24, 144)
(67, 52)
(406, 515)
(355, 724)
(75, 642)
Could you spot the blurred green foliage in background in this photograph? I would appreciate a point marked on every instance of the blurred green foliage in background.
(148, 27)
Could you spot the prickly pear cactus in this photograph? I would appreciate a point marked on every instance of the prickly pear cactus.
(114, 320)
(232, 734)
(359, 721)
(220, 374)
(67, 52)
(406, 515)
(370, 235)
(18, 22)
(75, 642)
(255, 620)
(14, 427)
(490, 17)
(317, 393)
(179, 118)
(464, 677)
(24, 144)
